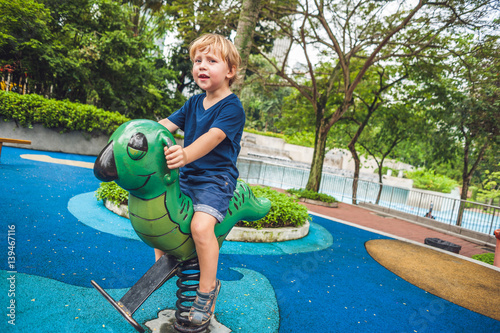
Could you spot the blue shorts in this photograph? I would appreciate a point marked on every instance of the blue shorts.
(210, 194)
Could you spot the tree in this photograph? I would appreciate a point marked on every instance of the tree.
(90, 51)
(468, 107)
(225, 17)
(263, 102)
(491, 185)
(25, 41)
(394, 124)
(146, 14)
(372, 31)
(460, 86)
(371, 98)
(249, 14)
(191, 19)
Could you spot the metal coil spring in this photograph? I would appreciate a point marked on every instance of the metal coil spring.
(185, 285)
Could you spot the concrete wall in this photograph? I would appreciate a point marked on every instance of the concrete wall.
(51, 140)
(396, 181)
(438, 199)
(255, 145)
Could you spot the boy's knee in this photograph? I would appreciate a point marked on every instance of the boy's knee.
(196, 228)
(201, 227)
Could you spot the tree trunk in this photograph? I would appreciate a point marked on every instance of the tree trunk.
(463, 198)
(467, 175)
(381, 185)
(243, 41)
(357, 166)
(315, 174)
(354, 153)
(465, 183)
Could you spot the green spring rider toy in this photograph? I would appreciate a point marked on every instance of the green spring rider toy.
(161, 214)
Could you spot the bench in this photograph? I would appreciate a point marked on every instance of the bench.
(5, 140)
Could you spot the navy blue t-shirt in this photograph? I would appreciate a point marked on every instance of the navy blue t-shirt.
(228, 116)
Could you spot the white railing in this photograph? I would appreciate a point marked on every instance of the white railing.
(469, 215)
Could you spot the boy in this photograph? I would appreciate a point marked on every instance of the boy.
(213, 124)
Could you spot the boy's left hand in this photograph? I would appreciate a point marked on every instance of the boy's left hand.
(176, 157)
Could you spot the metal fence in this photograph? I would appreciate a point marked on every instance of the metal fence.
(442, 208)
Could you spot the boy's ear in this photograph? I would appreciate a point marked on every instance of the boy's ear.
(232, 72)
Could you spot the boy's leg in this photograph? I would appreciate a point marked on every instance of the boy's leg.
(207, 248)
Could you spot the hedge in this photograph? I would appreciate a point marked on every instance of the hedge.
(64, 116)
(488, 258)
(285, 211)
(112, 192)
(429, 180)
(307, 194)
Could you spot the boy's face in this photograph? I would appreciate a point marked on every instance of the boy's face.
(210, 71)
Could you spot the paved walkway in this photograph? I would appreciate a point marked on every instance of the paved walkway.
(394, 226)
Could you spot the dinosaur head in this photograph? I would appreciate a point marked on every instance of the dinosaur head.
(135, 160)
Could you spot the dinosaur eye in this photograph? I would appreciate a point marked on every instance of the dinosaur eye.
(137, 146)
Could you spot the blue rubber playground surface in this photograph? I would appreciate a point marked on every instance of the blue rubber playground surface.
(62, 238)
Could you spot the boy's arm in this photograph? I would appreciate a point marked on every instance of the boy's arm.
(178, 157)
(169, 125)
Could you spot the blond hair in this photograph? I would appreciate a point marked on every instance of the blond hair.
(221, 45)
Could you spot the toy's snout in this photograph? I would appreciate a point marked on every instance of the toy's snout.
(104, 166)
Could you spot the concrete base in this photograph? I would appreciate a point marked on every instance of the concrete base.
(239, 234)
(267, 235)
(166, 319)
(320, 203)
(121, 210)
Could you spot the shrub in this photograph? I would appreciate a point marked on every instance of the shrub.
(473, 190)
(490, 190)
(112, 192)
(285, 211)
(307, 194)
(305, 139)
(271, 134)
(485, 257)
(65, 116)
(428, 180)
(385, 169)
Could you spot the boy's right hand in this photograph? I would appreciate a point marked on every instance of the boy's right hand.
(175, 156)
